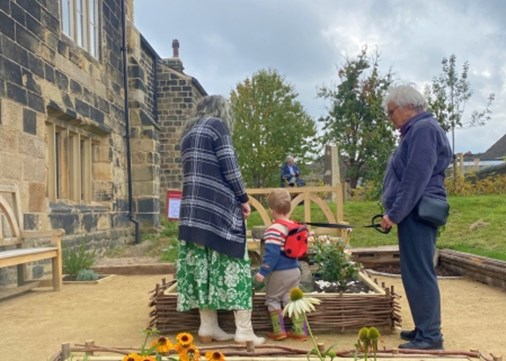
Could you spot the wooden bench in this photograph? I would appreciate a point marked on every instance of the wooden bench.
(19, 247)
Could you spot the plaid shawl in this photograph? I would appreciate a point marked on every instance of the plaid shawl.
(213, 189)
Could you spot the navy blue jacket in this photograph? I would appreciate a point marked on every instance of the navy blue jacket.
(286, 176)
(417, 166)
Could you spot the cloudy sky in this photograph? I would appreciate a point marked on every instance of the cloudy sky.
(223, 42)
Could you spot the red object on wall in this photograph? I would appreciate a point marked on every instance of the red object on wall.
(173, 203)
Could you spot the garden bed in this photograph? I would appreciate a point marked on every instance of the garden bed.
(337, 312)
(72, 280)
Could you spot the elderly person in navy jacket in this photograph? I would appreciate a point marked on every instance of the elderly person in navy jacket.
(290, 173)
(416, 168)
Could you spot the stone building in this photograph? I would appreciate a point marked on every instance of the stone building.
(90, 140)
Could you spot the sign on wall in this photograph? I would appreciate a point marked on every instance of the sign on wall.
(173, 203)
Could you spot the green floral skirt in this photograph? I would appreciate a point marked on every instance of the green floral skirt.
(208, 279)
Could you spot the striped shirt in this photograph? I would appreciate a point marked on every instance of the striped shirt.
(274, 258)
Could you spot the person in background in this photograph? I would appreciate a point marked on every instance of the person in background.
(416, 168)
(290, 173)
(280, 272)
(213, 269)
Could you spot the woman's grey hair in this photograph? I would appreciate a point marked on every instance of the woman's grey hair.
(215, 106)
(290, 158)
(403, 95)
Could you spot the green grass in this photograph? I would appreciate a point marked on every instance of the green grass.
(477, 225)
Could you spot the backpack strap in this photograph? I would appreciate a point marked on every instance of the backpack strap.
(289, 224)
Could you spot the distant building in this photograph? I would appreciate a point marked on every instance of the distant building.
(497, 150)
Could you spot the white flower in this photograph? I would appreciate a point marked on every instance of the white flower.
(299, 304)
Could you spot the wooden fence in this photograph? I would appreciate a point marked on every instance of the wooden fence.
(305, 196)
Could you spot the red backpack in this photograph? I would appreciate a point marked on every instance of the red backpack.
(296, 239)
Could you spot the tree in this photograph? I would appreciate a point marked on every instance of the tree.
(447, 97)
(356, 121)
(270, 125)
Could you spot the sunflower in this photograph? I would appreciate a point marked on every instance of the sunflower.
(180, 348)
(184, 338)
(163, 345)
(299, 304)
(190, 353)
(215, 356)
(132, 357)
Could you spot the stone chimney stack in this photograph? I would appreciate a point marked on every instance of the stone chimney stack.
(175, 48)
(174, 62)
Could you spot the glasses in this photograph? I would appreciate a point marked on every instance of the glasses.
(392, 111)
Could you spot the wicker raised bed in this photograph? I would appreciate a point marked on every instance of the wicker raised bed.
(336, 313)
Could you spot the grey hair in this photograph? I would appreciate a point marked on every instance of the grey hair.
(403, 95)
(289, 158)
(215, 106)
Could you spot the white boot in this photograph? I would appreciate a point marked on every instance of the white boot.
(209, 329)
(244, 330)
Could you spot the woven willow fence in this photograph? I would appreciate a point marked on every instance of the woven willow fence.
(336, 313)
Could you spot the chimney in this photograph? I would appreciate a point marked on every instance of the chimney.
(175, 48)
(174, 62)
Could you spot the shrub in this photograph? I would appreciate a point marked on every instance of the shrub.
(333, 263)
(87, 275)
(472, 185)
(75, 260)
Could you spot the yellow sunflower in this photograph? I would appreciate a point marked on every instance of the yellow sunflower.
(190, 353)
(163, 345)
(299, 304)
(132, 357)
(184, 338)
(180, 348)
(215, 356)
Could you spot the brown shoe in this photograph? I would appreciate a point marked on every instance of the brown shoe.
(294, 336)
(277, 336)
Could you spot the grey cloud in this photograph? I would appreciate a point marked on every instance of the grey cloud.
(225, 41)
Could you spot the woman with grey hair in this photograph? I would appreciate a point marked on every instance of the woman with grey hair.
(416, 169)
(290, 173)
(213, 269)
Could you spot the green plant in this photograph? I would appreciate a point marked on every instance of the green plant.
(171, 250)
(333, 263)
(87, 275)
(367, 341)
(77, 259)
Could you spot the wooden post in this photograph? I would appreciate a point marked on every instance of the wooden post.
(460, 162)
(65, 351)
(476, 164)
(332, 175)
(89, 345)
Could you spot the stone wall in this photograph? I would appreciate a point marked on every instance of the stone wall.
(60, 105)
(177, 95)
(145, 130)
(46, 79)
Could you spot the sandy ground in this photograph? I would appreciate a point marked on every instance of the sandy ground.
(114, 312)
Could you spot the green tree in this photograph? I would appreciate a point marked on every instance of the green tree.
(270, 125)
(447, 97)
(356, 121)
